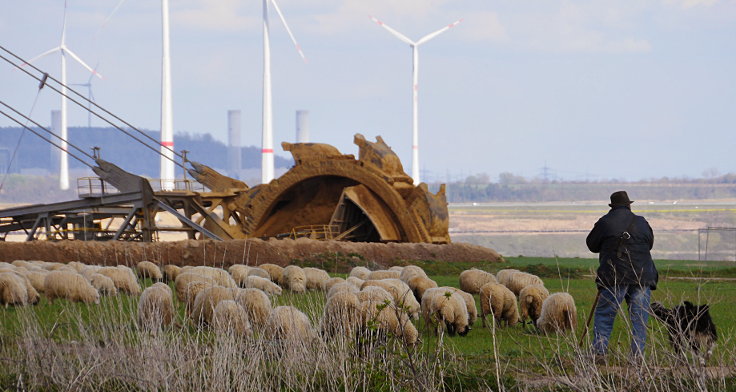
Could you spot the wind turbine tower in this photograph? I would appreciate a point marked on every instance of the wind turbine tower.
(267, 170)
(414, 45)
(64, 51)
(167, 127)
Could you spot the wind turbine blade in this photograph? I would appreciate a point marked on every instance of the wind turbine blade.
(438, 32)
(46, 53)
(63, 27)
(288, 30)
(97, 66)
(109, 17)
(392, 31)
(75, 57)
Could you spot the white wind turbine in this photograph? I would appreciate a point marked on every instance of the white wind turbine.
(64, 50)
(167, 116)
(267, 171)
(415, 87)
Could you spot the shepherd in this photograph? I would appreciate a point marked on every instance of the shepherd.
(625, 272)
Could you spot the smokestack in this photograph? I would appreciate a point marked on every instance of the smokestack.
(302, 126)
(54, 152)
(234, 164)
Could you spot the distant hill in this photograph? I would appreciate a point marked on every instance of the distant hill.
(35, 155)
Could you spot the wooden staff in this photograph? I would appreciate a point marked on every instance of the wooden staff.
(590, 317)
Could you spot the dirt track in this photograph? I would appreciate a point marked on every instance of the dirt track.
(226, 253)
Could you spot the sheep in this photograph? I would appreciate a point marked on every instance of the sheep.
(259, 272)
(181, 284)
(356, 282)
(289, 323)
(295, 279)
(190, 294)
(396, 268)
(497, 300)
(375, 295)
(400, 292)
(503, 275)
(559, 314)
(12, 289)
(420, 284)
(274, 271)
(78, 266)
(411, 271)
(123, 278)
(360, 272)
(451, 311)
(473, 279)
(340, 288)
(383, 274)
(71, 286)
(469, 303)
(263, 284)
(331, 282)
(256, 305)
(171, 271)
(103, 284)
(37, 278)
(220, 276)
(519, 280)
(341, 315)
(316, 278)
(147, 269)
(530, 302)
(239, 272)
(385, 317)
(230, 317)
(206, 301)
(156, 307)
(31, 291)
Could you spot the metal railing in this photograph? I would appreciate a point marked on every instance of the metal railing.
(315, 232)
(179, 184)
(94, 187)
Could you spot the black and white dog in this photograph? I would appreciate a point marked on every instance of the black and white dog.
(689, 327)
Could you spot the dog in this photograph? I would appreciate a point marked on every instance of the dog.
(690, 328)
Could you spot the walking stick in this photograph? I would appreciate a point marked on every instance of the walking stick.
(590, 317)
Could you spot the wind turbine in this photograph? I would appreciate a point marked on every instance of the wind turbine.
(267, 171)
(415, 87)
(90, 96)
(64, 50)
(167, 127)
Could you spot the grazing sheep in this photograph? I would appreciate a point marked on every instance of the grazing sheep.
(37, 278)
(230, 317)
(256, 305)
(497, 300)
(289, 323)
(411, 271)
(530, 302)
(559, 314)
(31, 292)
(451, 311)
(123, 277)
(79, 267)
(274, 271)
(316, 278)
(473, 279)
(469, 303)
(401, 293)
(220, 276)
(295, 279)
(181, 284)
(383, 274)
(239, 272)
(519, 280)
(375, 296)
(343, 287)
(264, 284)
(341, 316)
(190, 293)
(103, 284)
(420, 284)
(147, 269)
(396, 268)
(386, 318)
(331, 282)
(259, 272)
(71, 286)
(504, 275)
(360, 273)
(12, 289)
(356, 282)
(206, 301)
(156, 307)
(171, 271)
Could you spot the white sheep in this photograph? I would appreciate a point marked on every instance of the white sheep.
(124, 279)
(206, 301)
(341, 315)
(333, 281)
(31, 291)
(383, 274)
(219, 275)
(289, 323)
(473, 279)
(103, 284)
(360, 273)
(497, 300)
(469, 303)
(274, 271)
(147, 269)
(12, 289)
(171, 271)
(449, 309)
(383, 316)
(396, 268)
(420, 284)
(37, 278)
(230, 317)
(181, 284)
(263, 284)
(411, 271)
(343, 287)
(71, 286)
(156, 307)
(504, 275)
(401, 292)
(518, 280)
(356, 282)
(316, 278)
(559, 314)
(295, 279)
(530, 302)
(256, 305)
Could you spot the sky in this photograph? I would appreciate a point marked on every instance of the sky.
(589, 89)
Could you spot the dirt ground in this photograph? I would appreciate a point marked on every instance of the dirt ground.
(252, 251)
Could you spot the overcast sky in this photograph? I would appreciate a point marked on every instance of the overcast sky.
(591, 89)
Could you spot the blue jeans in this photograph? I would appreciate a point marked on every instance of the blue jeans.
(605, 312)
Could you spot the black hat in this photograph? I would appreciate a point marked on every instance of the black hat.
(620, 198)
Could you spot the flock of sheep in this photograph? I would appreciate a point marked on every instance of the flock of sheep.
(239, 300)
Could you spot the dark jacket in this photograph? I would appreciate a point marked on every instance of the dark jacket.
(605, 238)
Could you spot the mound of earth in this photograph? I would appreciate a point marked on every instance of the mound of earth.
(251, 251)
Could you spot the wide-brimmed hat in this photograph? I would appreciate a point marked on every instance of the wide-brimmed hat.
(620, 198)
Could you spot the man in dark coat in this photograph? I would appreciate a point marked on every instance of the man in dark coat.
(626, 272)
